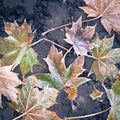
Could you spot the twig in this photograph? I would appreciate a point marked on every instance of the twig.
(45, 39)
(89, 20)
(52, 29)
(67, 51)
(85, 116)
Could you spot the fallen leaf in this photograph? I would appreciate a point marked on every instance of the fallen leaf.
(33, 103)
(16, 47)
(8, 83)
(79, 37)
(62, 76)
(115, 105)
(95, 93)
(108, 10)
(105, 58)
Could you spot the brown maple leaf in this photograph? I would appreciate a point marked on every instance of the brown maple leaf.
(108, 10)
(8, 82)
(79, 37)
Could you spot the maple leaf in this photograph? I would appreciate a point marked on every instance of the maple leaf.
(95, 93)
(33, 103)
(62, 76)
(79, 37)
(105, 58)
(8, 83)
(108, 10)
(16, 47)
(58, 70)
(115, 105)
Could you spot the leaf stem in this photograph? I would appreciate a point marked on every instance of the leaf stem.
(91, 56)
(45, 39)
(65, 25)
(85, 116)
(35, 42)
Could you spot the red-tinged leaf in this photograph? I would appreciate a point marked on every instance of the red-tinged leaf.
(108, 10)
(8, 83)
(16, 48)
(106, 58)
(80, 38)
(33, 103)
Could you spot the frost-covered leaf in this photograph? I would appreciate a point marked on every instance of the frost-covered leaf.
(62, 76)
(106, 58)
(16, 47)
(115, 105)
(8, 83)
(33, 103)
(108, 10)
(95, 93)
(79, 37)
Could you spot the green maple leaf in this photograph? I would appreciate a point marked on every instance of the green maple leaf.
(115, 105)
(60, 76)
(105, 58)
(33, 103)
(16, 47)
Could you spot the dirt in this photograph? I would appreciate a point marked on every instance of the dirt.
(43, 15)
